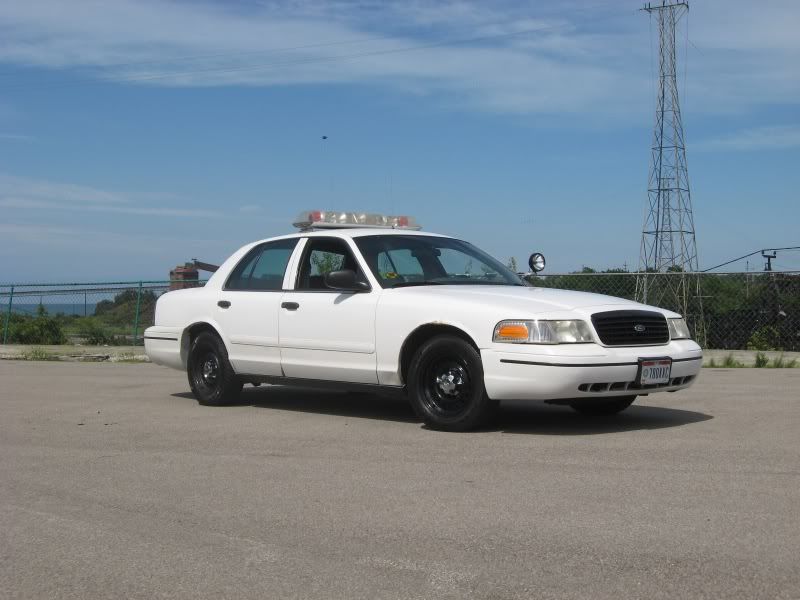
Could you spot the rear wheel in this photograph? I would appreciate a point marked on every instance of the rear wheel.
(445, 384)
(211, 376)
(610, 406)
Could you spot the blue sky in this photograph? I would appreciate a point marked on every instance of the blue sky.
(135, 135)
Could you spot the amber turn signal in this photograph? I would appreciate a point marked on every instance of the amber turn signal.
(513, 332)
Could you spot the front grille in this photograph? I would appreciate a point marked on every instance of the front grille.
(631, 328)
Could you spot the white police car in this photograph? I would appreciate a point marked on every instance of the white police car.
(369, 302)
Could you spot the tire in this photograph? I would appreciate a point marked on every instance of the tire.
(598, 407)
(211, 376)
(445, 385)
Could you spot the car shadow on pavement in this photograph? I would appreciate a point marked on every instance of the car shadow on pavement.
(512, 417)
(325, 402)
(543, 419)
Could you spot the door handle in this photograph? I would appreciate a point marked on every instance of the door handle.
(223, 304)
(290, 305)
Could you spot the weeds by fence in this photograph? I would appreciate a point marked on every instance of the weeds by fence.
(734, 311)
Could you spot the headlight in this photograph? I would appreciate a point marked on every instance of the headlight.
(542, 332)
(678, 329)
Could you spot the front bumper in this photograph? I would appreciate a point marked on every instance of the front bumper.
(582, 371)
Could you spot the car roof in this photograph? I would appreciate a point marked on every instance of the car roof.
(351, 232)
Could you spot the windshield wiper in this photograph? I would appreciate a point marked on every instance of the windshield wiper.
(483, 282)
(454, 282)
(413, 283)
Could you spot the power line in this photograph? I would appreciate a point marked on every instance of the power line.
(760, 251)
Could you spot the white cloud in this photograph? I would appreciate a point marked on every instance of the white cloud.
(580, 59)
(52, 227)
(20, 187)
(40, 252)
(28, 194)
(26, 233)
(760, 138)
(16, 137)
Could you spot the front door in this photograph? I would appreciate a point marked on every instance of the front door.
(327, 334)
(248, 308)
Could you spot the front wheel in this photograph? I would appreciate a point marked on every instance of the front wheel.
(600, 407)
(445, 384)
(211, 376)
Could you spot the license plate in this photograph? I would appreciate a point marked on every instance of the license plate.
(654, 371)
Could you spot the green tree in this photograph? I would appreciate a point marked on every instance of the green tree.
(512, 265)
(325, 262)
(122, 310)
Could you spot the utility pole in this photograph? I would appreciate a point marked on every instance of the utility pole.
(769, 257)
(668, 235)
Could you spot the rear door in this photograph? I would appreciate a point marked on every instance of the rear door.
(248, 308)
(327, 334)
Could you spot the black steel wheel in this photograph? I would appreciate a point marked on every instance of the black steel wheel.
(445, 385)
(607, 406)
(211, 376)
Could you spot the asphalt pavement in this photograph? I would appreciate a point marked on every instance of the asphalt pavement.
(115, 483)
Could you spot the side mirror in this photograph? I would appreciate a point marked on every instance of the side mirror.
(536, 262)
(345, 281)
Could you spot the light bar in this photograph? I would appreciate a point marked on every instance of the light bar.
(310, 219)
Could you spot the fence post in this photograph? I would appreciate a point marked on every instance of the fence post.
(136, 319)
(8, 315)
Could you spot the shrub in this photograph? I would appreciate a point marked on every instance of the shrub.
(731, 363)
(94, 333)
(38, 354)
(41, 329)
(764, 338)
(762, 360)
(782, 363)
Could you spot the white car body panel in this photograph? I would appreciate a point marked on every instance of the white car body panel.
(331, 336)
(359, 337)
(250, 325)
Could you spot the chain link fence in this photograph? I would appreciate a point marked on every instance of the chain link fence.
(109, 313)
(731, 311)
(727, 311)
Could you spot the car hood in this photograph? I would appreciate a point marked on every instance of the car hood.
(519, 299)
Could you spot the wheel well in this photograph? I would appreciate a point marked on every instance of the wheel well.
(189, 334)
(421, 335)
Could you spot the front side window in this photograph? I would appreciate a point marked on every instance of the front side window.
(263, 267)
(404, 260)
(321, 256)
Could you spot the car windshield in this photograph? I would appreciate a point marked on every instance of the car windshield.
(414, 260)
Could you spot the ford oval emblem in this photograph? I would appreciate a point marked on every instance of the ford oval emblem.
(639, 328)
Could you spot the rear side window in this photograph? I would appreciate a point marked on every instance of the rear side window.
(263, 267)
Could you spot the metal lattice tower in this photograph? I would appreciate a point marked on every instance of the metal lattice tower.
(668, 235)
